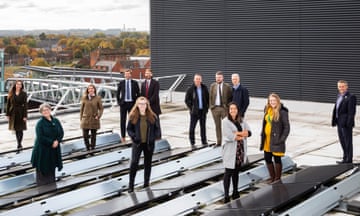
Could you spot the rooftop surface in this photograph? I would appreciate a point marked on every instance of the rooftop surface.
(312, 140)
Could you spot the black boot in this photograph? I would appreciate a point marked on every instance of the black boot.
(19, 136)
(235, 195)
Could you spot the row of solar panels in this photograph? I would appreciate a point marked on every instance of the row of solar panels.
(174, 182)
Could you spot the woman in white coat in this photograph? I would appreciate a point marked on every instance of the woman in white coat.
(234, 149)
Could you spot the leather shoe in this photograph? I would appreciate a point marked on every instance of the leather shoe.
(340, 162)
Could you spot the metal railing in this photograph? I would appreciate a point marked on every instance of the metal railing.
(64, 92)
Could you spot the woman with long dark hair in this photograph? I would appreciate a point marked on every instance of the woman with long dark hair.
(16, 111)
(234, 148)
(91, 111)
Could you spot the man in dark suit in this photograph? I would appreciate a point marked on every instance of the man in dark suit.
(240, 94)
(150, 89)
(344, 118)
(197, 101)
(127, 93)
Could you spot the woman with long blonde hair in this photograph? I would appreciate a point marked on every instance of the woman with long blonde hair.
(275, 130)
(143, 128)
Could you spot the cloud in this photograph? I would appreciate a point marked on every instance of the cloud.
(28, 5)
(4, 6)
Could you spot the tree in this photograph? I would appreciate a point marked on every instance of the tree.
(39, 62)
(77, 53)
(42, 36)
(106, 44)
(11, 50)
(99, 35)
(24, 50)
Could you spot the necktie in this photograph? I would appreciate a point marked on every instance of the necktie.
(220, 95)
(127, 90)
(147, 88)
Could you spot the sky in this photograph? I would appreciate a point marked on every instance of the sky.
(74, 14)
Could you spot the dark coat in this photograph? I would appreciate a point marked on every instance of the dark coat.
(279, 132)
(240, 96)
(192, 102)
(44, 157)
(120, 95)
(153, 133)
(89, 110)
(16, 110)
(346, 112)
(153, 95)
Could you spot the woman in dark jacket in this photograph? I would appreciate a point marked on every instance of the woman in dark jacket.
(91, 111)
(46, 155)
(143, 128)
(275, 130)
(16, 111)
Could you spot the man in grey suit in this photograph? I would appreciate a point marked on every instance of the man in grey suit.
(220, 97)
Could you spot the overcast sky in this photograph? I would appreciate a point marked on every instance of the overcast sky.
(67, 14)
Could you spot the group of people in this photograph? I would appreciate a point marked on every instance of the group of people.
(228, 106)
(199, 100)
(143, 126)
(142, 105)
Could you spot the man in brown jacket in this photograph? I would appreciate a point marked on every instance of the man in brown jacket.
(220, 97)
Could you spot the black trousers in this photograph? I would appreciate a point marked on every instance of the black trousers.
(346, 141)
(231, 174)
(137, 149)
(92, 144)
(268, 158)
(19, 138)
(194, 118)
(124, 110)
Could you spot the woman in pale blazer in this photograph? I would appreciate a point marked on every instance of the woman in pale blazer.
(91, 111)
(234, 148)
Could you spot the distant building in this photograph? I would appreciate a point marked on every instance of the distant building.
(118, 61)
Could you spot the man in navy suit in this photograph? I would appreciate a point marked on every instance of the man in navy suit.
(150, 89)
(344, 118)
(127, 93)
(240, 94)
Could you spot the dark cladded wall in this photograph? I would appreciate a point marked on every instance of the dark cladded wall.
(298, 49)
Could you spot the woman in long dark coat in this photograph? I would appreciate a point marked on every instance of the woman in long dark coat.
(16, 111)
(46, 155)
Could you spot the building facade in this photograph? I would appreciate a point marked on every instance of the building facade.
(298, 49)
